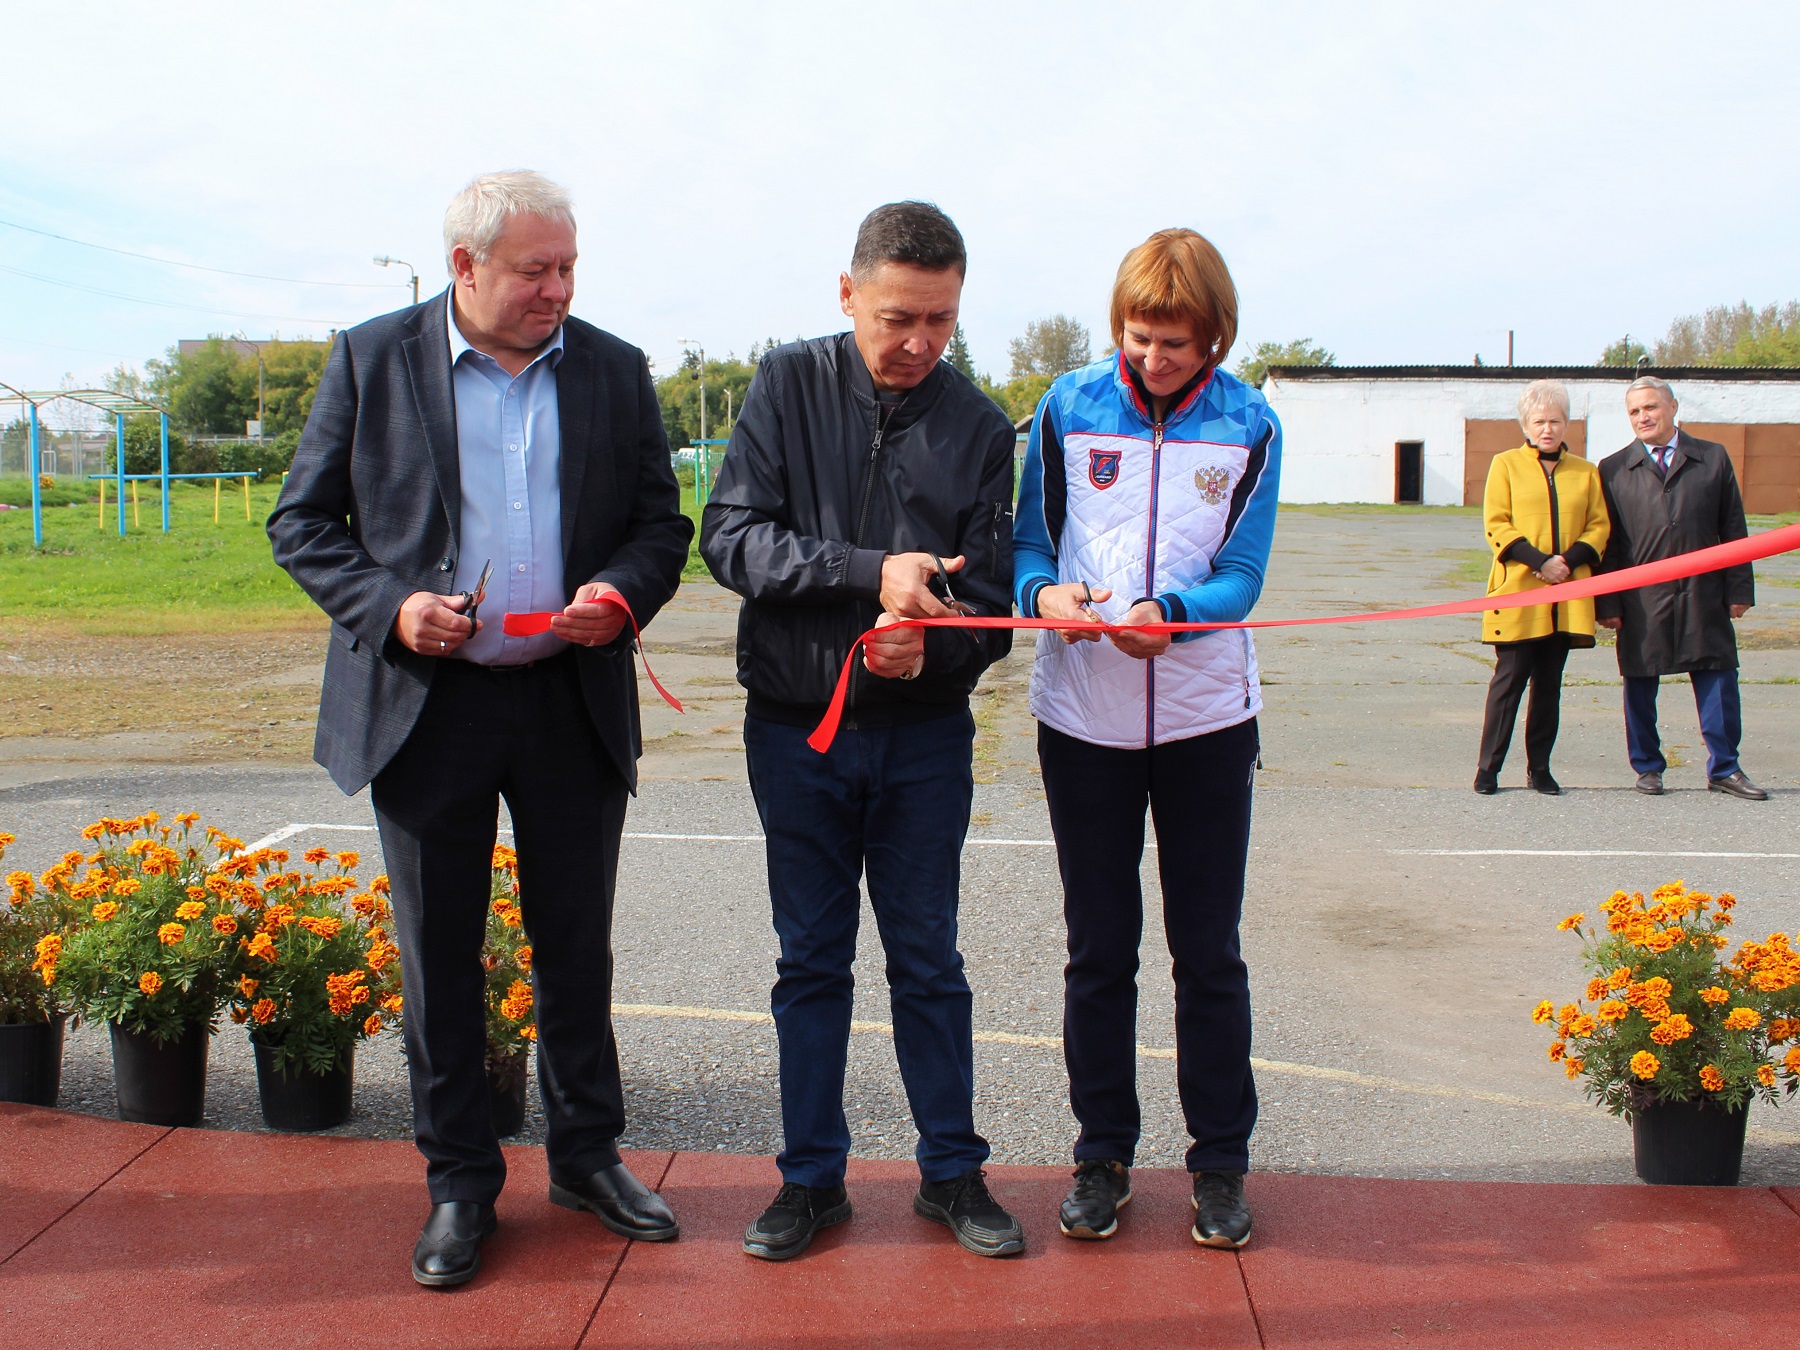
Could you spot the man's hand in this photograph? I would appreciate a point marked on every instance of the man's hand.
(905, 586)
(895, 653)
(1069, 601)
(588, 623)
(434, 625)
(1608, 623)
(1555, 570)
(1738, 611)
(1143, 645)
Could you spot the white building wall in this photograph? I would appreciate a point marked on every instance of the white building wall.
(1338, 435)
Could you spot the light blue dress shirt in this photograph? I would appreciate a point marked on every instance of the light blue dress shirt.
(508, 452)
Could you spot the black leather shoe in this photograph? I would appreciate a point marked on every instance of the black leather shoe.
(1650, 784)
(1487, 784)
(964, 1206)
(1738, 786)
(1541, 780)
(448, 1251)
(786, 1227)
(621, 1202)
(1102, 1188)
(1221, 1218)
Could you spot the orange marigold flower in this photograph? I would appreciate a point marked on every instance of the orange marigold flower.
(363, 905)
(1619, 978)
(528, 1033)
(339, 1004)
(1644, 1065)
(1661, 942)
(93, 831)
(247, 986)
(1765, 1074)
(1783, 1029)
(1711, 1079)
(1742, 1019)
(393, 1003)
(380, 885)
(513, 919)
(1557, 1050)
(1714, 994)
(1792, 1061)
(1614, 1011)
(6, 840)
(349, 860)
(262, 946)
(150, 982)
(523, 957)
(189, 909)
(316, 855)
(372, 1025)
(324, 927)
(240, 1015)
(128, 887)
(1573, 1067)
(1672, 1029)
(1596, 990)
(170, 933)
(225, 924)
(105, 910)
(263, 1010)
(1582, 1026)
(1573, 921)
(1725, 900)
(187, 818)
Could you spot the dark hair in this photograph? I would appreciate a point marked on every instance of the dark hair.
(915, 233)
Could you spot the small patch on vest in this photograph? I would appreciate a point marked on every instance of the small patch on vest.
(1214, 484)
(1103, 467)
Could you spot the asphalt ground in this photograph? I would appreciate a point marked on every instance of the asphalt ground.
(1398, 928)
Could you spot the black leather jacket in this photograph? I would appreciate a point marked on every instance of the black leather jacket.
(812, 498)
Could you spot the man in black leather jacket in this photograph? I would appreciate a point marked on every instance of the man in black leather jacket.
(859, 461)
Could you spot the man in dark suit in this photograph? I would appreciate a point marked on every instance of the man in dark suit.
(487, 425)
(1670, 493)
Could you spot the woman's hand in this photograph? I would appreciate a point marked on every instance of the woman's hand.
(1555, 570)
(1069, 602)
(1143, 645)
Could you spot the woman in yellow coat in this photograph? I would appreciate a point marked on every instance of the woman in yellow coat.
(1546, 523)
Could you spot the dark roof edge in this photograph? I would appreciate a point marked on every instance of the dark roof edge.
(1782, 374)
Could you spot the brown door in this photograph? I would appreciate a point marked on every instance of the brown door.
(1727, 434)
(1771, 481)
(1483, 438)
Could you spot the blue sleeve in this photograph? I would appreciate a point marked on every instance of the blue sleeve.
(1231, 592)
(1034, 549)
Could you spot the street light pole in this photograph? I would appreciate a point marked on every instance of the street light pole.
(385, 261)
(691, 342)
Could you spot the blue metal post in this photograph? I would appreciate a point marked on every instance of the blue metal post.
(165, 471)
(119, 468)
(37, 487)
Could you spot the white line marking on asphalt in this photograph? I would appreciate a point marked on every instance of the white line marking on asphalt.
(1576, 853)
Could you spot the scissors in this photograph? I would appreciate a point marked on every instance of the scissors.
(961, 607)
(472, 599)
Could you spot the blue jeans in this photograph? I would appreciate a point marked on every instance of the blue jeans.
(893, 800)
(1721, 721)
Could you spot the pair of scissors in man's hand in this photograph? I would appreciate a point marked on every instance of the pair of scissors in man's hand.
(961, 607)
(472, 599)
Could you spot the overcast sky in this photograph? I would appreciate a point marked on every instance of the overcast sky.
(1402, 183)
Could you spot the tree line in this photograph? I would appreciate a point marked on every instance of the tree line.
(1724, 335)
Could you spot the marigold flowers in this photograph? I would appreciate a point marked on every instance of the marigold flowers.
(1675, 1027)
(189, 910)
(1645, 1065)
(105, 910)
(1714, 994)
(1544, 1012)
(149, 982)
(171, 933)
(224, 924)
(1742, 1019)
(517, 1001)
(372, 1024)
(262, 1012)
(262, 947)
(1711, 1079)
(1573, 921)
(321, 926)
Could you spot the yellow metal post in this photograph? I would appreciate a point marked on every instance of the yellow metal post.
(103, 503)
(216, 483)
(135, 522)
(246, 496)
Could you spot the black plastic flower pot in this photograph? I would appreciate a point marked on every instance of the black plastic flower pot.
(297, 1101)
(160, 1082)
(31, 1062)
(1696, 1143)
(506, 1094)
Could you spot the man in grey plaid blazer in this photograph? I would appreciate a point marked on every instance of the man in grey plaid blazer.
(486, 426)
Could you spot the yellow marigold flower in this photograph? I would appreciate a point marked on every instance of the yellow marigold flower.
(513, 919)
(1573, 1067)
(105, 910)
(1661, 942)
(263, 1010)
(372, 1025)
(1614, 1011)
(150, 982)
(1582, 1026)
(49, 951)
(316, 855)
(93, 831)
(6, 840)
(1619, 978)
(523, 957)
(1714, 994)
(1644, 1065)
(393, 1003)
(1792, 1061)
(187, 818)
(1742, 1019)
(189, 909)
(262, 946)
(349, 860)
(128, 887)
(1765, 1074)
(1672, 1029)
(1573, 921)
(170, 933)
(528, 1033)
(1557, 1050)
(380, 885)
(20, 881)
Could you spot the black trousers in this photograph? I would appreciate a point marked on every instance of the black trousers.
(1198, 793)
(1538, 662)
(524, 735)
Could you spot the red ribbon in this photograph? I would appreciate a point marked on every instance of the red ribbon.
(1732, 554)
(529, 625)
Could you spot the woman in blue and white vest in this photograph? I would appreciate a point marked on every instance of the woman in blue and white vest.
(1149, 494)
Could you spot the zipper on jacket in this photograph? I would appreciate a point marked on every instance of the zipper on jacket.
(884, 413)
(1555, 529)
(1156, 440)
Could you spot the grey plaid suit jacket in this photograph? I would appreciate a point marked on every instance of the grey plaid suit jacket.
(372, 506)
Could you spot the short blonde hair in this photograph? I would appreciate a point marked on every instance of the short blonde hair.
(478, 214)
(1177, 276)
(1543, 394)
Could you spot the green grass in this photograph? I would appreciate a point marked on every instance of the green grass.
(199, 575)
(15, 490)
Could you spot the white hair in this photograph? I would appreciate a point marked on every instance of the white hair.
(478, 214)
(1543, 394)
(1651, 382)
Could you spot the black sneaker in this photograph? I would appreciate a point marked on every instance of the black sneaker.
(964, 1206)
(786, 1227)
(1091, 1209)
(1221, 1218)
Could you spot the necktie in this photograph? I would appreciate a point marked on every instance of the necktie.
(1663, 454)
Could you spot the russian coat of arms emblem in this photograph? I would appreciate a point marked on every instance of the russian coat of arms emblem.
(1214, 484)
